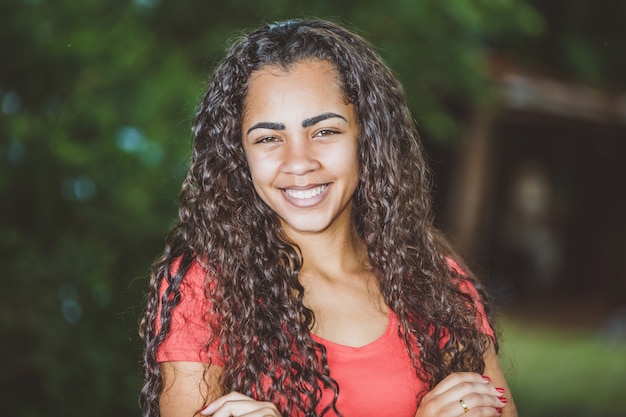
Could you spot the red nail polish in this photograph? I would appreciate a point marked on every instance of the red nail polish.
(503, 400)
(486, 378)
(499, 410)
(500, 390)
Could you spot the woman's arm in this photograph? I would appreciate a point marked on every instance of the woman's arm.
(236, 404)
(494, 372)
(192, 387)
(188, 387)
(468, 394)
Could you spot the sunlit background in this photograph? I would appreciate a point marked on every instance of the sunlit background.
(522, 107)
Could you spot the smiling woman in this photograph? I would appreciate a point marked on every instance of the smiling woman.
(304, 276)
(301, 146)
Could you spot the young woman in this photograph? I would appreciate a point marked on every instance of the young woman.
(304, 276)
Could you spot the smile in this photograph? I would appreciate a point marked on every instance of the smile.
(305, 194)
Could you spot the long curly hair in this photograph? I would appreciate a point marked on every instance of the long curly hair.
(264, 327)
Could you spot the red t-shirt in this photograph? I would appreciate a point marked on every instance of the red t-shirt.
(375, 379)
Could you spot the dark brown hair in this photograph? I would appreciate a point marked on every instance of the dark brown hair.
(264, 327)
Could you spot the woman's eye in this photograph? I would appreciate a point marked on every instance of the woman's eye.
(325, 133)
(268, 139)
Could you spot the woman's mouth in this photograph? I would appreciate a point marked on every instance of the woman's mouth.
(305, 194)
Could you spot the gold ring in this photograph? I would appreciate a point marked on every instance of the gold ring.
(465, 407)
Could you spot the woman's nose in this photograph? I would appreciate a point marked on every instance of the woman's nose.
(299, 157)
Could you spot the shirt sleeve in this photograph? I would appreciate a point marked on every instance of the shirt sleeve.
(482, 322)
(190, 329)
(467, 287)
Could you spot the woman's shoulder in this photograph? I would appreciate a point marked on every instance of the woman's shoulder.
(464, 280)
(191, 315)
(455, 266)
(467, 284)
(191, 288)
(195, 266)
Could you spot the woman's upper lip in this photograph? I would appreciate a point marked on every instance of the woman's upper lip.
(303, 187)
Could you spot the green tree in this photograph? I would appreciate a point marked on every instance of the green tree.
(581, 41)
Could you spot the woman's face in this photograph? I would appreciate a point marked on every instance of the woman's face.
(300, 138)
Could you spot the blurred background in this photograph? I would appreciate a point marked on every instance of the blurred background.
(522, 107)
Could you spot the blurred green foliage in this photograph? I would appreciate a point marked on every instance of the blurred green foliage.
(96, 100)
(565, 370)
(581, 41)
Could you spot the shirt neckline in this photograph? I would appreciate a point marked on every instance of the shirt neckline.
(381, 341)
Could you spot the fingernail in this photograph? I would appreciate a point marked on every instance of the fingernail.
(499, 410)
(500, 390)
(486, 378)
(503, 400)
(208, 410)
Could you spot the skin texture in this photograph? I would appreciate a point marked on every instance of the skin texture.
(187, 385)
(479, 392)
(301, 138)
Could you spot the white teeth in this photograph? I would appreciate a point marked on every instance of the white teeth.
(304, 194)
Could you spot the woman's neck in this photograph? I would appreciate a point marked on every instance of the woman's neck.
(341, 289)
(335, 253)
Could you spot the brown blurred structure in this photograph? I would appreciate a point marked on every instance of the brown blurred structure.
(539, 194)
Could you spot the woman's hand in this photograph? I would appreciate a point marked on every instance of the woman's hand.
(236, 405)
(463, 394)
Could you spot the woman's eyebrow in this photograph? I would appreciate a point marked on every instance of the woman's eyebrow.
(266, 125)
(316, 119)
(305, 123)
